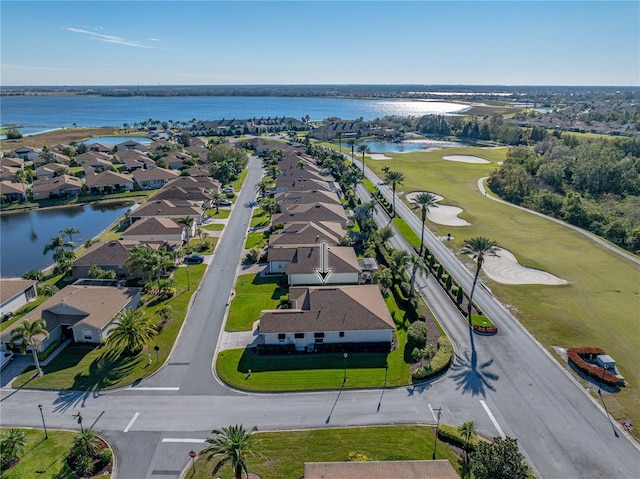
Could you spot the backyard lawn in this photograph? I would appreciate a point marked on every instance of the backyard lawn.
(281, 455)
(599, 306)
(252, 294)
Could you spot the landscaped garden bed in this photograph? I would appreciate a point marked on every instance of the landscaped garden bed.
(584, 358)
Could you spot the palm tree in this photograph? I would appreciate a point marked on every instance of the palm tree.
(417, 266)
(26, 334)
(364, 149)
(352, 143)
(264, 186)
(478, 248)
(132, 332)
(467, 429)
(12, 445)
(395, 178)
(384, 279)
(140, 261)
(230, 445)
(339, 137)
(85, 444)
(59, 246)
(301, 164)
(187, 222)
(165, 312)
(215, 198)
(269, 206)
(424, 201)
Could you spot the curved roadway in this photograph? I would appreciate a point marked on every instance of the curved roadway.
(507, 384)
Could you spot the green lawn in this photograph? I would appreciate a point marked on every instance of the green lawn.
(213, 227)
(281, 455)
(255, 239)
(83, 368)
(599, 306)
(252, 295)
(219, 215)
(201, 247)
(405, 230)
(44, 458)
(259, 218)
(302, 372)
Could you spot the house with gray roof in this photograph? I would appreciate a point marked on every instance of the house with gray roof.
(15, 293)
(149, 179)
(108, 182)
(158, 229)
(313, 212)
(329, 314)
(307, 233)
(167, 209)
(58, 187)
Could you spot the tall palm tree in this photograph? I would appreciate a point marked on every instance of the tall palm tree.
(339, 137)
(424, 201)
(230, 445)
(395, 178)
(215, 198)
(186, 221)
(264, 186)
(352, 143)
(58, 245)
(132, 332)
(467, 429)
(364, 149)
(140, 261)
(269, 206)
(478, 248)
(417, 266)
(26, 334)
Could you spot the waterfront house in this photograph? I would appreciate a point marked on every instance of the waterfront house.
(58, 187)
(149, 179)
(329, 315)
(166, 209)
(12, 191)
(82, 313)
(158, 229)
(300, 263)
(102, 148)
(108, 182)
(15, 293)
(50, 170)
(131, 145)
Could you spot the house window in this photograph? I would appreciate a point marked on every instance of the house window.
(341, 334)
(299, 335)
(319, 337)
(87, 335)
(281, 337)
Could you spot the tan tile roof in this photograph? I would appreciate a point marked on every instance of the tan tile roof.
(12, 287)
(7, 187)
(312, 212)
(93, 305)
(62, 182)
(191, 182)
(166, 208)
(109, 253)
(154, 174)
(440, 469)
(330, 308)
(306, 259)
(106, 178)
(301, 233)
(153, 226)
(288, 198)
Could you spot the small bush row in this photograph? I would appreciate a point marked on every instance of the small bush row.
(451, 434)
(577, 357)
(440, 361)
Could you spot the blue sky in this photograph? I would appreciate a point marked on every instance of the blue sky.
(320, 42)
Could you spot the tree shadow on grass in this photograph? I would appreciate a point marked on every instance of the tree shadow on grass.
(105, 371)
(297, 362)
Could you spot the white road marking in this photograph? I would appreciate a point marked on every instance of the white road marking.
(180, 439)
(154, 389)
(493, 419)
(133, 419)
(433, 413)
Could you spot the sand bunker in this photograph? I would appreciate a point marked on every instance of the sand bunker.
(380, 156)
(505, 269)
(441, 214)
(465, 159)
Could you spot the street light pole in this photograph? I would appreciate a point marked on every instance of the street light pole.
(46, 434)
(344, 379)
(78, 416)
(435, 444)
(188, 282)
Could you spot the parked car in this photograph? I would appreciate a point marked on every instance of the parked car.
(194, 259)
(224, 203)
(228, 189)
(5, 358)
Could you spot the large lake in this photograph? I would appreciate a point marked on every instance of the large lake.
(38, 113)
(24, 235)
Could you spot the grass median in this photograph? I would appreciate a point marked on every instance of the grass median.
(599, 305)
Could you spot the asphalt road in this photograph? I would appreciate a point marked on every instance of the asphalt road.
(506, 384)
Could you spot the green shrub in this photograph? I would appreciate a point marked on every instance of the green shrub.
(452, 434)
(440, 361)
(448, 282)
(416, 355)
(417, 334)
(105, 457)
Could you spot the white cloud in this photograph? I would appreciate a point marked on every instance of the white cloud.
(108, 38)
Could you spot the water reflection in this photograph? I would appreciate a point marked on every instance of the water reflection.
(409, 145)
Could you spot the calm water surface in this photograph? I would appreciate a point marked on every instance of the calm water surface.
(114, 140)
(24, 235)
(46, 112)
(409, 145)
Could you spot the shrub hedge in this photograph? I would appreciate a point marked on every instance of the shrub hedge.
(451, 434)
(440, 361)
(577, 357)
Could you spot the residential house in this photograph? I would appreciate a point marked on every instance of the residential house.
(307, 233)
(8, 173)
(197, 171)
(102, 148)
(113, 255)
(96, 166)
(27, 153)
(138, 162)
(287, 199)
(15, 293)
(50, 170)
(108, 182)
(167, 209)
(85, 314)
(12, 191)
(131, 145)
(129, 155)
(93, 158)
(60, 186)
(329, 314)
(51, 157)
(150, 179)
(302, 264)
(313, 212)
(438, 469)
(158, 229)
(12, 162)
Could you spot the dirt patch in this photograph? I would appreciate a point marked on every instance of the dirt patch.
(64, 136)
